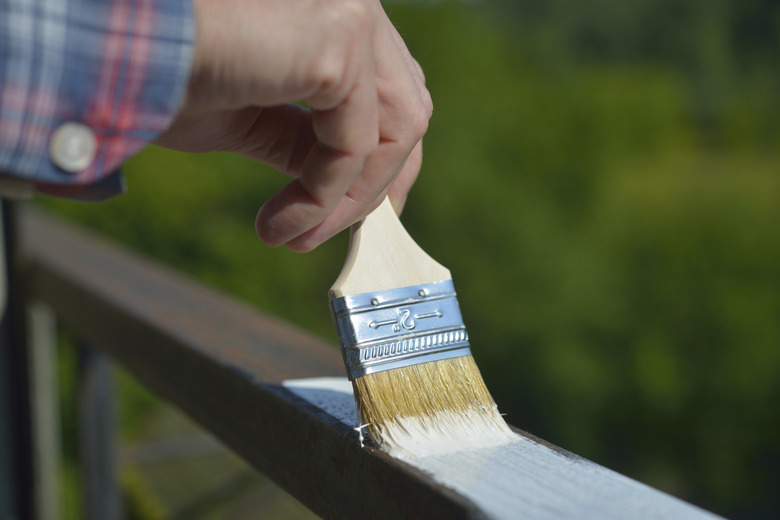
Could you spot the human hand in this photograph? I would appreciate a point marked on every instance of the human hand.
(360, 137)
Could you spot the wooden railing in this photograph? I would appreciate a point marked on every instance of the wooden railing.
(224, 364)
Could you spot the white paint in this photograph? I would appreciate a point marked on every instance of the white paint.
(443, 433)
(406, 438)
(521, 478)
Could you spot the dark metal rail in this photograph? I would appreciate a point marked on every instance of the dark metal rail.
(223, 364)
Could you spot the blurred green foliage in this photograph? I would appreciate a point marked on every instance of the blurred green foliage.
(602, 179)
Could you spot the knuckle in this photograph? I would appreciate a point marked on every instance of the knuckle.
(353, 15)
(420, 127)
(338, 58)
(427, 104)
(327, 71)
(414, 112)
(421, 115)
(419, 70)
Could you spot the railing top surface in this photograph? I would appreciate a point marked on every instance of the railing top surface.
(225, 364)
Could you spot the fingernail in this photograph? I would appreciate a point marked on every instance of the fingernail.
(266, 231)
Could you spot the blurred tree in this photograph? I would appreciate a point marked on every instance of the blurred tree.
(602, 179)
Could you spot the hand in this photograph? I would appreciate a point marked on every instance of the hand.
(360, 137)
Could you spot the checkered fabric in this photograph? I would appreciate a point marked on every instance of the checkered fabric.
(119, 67)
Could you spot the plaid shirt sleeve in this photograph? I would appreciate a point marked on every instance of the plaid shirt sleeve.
(119, 67)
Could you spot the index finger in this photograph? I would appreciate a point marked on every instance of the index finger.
(347, 134)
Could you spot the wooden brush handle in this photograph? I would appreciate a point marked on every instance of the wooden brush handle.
(383, 256)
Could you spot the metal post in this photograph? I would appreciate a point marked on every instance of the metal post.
(16, 467)
(97, 436)
(44, 404)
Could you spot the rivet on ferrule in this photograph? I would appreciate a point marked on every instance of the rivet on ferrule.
(399, 327)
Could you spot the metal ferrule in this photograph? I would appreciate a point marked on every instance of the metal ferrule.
(399, 327)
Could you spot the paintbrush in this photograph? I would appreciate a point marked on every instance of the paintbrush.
(417, 388)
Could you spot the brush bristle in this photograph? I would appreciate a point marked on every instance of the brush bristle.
(430, 408)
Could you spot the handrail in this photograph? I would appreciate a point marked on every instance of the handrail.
(224, 364)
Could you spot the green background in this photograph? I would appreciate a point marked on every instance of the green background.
(602, 178)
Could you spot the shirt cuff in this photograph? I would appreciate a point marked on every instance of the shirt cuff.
(116, 70)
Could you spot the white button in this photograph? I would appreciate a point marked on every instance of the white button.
(73, 147)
